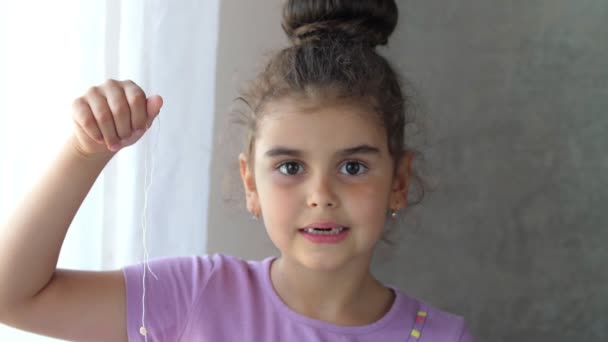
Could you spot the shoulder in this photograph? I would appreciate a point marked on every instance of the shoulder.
(434, 324)
(194, 267)
(196, 273)
(230, 274)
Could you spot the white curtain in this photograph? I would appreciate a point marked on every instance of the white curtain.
(53, 51)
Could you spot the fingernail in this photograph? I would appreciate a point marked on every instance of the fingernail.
(138, 132)
(115, 148)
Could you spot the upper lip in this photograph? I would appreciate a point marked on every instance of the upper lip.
(324, 224)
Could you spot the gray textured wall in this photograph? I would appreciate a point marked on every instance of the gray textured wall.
(515, 235)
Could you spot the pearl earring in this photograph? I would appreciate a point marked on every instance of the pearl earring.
(393, 214)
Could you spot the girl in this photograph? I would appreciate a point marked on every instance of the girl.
(325, 167)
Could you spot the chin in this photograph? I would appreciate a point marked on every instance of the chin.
(323, 261)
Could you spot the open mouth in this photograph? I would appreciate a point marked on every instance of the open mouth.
(324, 231)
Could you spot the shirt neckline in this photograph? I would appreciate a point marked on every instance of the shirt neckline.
(321, 325)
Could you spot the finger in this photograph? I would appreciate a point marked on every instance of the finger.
(137, 103)
(153, 105)
(117, 101)
(103, 115)
(83, 116)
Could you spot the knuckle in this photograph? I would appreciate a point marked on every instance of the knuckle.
(93, 91)
(129, 83)
(110, 82)
(78, 103)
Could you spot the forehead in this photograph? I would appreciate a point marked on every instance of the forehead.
(319, 128)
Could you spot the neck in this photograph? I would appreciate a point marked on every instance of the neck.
(349, 296)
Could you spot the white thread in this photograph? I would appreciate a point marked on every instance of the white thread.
(142, 330)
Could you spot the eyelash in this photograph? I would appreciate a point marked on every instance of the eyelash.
(365, 168)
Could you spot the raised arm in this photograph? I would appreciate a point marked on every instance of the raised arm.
(34, 294)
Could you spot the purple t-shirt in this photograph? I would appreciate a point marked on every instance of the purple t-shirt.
(222, 298)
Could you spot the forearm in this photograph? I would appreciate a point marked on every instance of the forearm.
(31, 238)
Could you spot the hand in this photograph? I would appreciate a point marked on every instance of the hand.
(112, 116)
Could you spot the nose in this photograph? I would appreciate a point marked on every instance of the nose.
(322, 193)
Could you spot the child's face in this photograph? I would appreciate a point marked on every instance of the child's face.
(322, 183)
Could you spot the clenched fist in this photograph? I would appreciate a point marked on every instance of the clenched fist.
(112, 116)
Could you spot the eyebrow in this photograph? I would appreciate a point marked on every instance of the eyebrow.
(285, 151)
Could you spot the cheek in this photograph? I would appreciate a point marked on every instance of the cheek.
(278, 201)
(368, 201)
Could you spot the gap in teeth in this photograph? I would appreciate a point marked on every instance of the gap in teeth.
(321, 231)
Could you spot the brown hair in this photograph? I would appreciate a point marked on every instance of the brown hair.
(333, 58)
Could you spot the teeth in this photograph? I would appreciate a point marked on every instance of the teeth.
(332, 231)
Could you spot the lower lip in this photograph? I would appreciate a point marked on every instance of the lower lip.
(335, 238)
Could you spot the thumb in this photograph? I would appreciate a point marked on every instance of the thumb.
(153, 105)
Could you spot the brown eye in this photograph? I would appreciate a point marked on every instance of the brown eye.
(290, 168)
(353, 168)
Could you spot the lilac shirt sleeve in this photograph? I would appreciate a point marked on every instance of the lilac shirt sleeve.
(168, 300)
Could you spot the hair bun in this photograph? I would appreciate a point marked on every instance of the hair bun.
(365, 20)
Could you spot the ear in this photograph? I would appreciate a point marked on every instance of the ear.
(248, 178)
(400, 186)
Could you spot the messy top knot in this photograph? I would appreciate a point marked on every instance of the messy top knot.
(366, 21)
